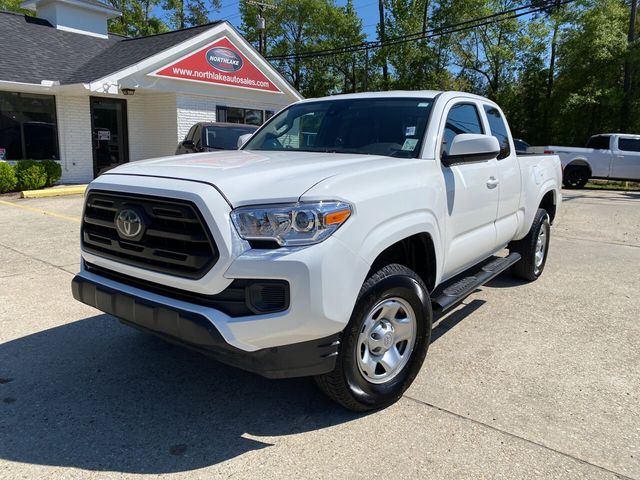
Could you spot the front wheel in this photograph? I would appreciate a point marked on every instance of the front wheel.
(533, 248)
(385, 342)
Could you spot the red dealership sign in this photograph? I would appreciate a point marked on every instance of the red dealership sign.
(219, 62)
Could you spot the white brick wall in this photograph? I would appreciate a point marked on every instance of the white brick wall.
(193, 109)
(156, 122)
(200, 108)
(153, 126)
(74, 135)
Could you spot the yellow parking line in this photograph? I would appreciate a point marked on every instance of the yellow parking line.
(40, 211)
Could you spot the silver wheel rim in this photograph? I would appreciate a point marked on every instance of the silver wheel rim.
(541, 246)
(386, 340)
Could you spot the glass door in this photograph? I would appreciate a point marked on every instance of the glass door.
(109, 134)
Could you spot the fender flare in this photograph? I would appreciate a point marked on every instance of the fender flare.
(394, 230)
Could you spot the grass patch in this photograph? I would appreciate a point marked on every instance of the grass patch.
(613, 185)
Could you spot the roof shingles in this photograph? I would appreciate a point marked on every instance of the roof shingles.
(33, 50)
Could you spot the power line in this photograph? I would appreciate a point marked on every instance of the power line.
(435, 32)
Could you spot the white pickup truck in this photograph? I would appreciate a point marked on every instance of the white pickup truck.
(326, 245)
(609, 156)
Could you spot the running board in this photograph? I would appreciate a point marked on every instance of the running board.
(448, 296)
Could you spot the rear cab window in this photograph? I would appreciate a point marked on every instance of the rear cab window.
(499, 130)
(599, 142)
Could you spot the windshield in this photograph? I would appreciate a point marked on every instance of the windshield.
(371, 126)
(224, 138)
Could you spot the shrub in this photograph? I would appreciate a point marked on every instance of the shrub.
(30, 174)
(8, 180)
(53, 171)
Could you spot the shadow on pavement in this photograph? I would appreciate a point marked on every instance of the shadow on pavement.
(446, 323)
(97, 395)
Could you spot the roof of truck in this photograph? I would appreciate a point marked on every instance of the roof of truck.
(399, 94)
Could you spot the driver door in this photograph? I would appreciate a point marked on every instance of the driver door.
(472, 194)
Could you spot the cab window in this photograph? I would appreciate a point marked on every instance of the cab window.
(599, 142)
(191, 132)
(499, 130)
(629, 144)
(462, 118)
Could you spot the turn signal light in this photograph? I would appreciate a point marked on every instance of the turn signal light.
(336, 218)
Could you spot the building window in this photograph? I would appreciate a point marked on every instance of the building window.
(240, 115)
(28, 126)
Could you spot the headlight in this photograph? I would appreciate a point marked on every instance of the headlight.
(291, 225)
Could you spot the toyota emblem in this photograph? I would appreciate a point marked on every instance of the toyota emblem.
(129, 223)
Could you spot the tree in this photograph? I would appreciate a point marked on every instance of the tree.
(14, 6)
(625, 111)
(136, 19)
(297, 27)
(588, 87)
(189, 13)
(490, 51)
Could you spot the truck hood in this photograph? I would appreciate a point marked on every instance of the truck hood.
(251, 177)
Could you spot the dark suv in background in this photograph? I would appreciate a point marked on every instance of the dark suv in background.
(206, 137)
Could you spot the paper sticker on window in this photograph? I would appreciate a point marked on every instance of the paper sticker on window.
(423, 104)
(410, 144)
(410, 131)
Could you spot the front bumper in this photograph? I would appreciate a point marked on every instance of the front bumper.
(195, 331)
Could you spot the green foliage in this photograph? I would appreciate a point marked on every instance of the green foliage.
(53, 171)
(559, 74)
(30, 174)
(8, 179)
(189, 13)
(14, 6)
(302, 26)
(136, 19)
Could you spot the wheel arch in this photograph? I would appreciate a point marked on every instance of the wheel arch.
(579, 162)
(549, 202)
(416, 252)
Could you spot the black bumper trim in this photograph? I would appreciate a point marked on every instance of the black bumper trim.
(194, 331)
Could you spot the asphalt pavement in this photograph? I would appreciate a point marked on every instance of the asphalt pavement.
(522, 381)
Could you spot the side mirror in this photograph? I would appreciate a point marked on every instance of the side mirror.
(242, 139)
(188, 144)
(471, 147)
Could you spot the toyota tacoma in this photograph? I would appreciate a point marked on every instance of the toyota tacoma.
(328, 243)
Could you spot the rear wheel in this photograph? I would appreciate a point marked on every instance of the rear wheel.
(533, 248)
(385, 342)
(575, 176)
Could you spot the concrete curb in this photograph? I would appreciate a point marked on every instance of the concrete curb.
(54, 191)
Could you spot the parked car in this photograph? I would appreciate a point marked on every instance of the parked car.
(610, 156)
(521, 146)
(207, 137)
(326, 245)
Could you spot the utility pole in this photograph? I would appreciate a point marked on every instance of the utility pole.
(385, 68)
(366, 69)
(262, 36)
(625, 111)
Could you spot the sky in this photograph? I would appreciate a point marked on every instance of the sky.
(367, 9)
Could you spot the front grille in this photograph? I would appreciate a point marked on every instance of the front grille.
(174, 240)
(240, 299)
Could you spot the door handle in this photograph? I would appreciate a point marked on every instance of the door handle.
(492, 182)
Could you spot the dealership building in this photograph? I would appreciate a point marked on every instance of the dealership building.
(72, 92)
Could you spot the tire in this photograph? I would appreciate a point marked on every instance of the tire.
(575, 176)
(399, 340)
(534, 254)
